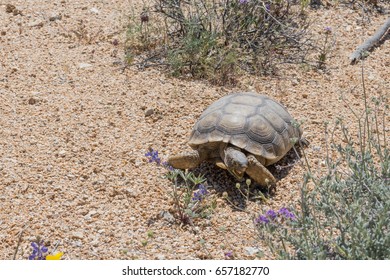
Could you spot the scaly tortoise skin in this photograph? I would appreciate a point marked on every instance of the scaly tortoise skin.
(243, 133)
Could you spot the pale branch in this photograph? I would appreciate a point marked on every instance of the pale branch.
(361, 51)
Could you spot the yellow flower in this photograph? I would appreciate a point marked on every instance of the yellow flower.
(54, 257)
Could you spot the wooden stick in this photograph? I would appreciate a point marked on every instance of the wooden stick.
(19, 241)
(360, 52)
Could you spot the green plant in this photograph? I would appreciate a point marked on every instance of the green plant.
(218, 39)
(325, 49)
(188, 192)
(150, 233)
(346, 215)
(82, 33)
(248, 193)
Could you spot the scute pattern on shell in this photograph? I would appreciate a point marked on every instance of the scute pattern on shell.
(250, 121)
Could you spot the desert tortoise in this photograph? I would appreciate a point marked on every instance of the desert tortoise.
(243, 133)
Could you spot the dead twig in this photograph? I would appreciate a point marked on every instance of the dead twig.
(362, 50)
(19, 241)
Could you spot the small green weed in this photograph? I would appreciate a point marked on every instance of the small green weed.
(188, 192)
(150, 234)
(140, 34)
(325, 49)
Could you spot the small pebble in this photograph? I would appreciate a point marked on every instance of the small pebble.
(93, 213)
(77, 243)
(251, 251)
(12, 9)
(94, 11)
(130, 192)
(36, 23)
(77, 235)
(167, 216)
(316, 148)
(55, 17)
(149, 112)
(84, 65)
(9, 8)
(32, 101)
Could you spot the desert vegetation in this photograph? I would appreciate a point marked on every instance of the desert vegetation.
(94, 98)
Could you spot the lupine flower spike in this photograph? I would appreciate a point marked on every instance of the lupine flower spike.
(153, 156)
(286, 213)
(271, 215)
(38, 250)
(262, 220)
(200, 193)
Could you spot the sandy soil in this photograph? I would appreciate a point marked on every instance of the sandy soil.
(74, 131)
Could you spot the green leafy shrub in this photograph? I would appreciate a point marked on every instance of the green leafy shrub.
(217, 39)
(346, 215)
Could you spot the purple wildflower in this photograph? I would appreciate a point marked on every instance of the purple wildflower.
(200, 193)
(153, 156)
(328, 29)
(38, 251)
(167, 166)
(271, 214)
(228, 255)
(244, 1)
(262, 220)
(286, 213)
(144, 16)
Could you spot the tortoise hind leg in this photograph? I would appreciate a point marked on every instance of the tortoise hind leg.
(259, 172)
(187, 160)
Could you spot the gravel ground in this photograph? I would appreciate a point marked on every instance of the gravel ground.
(74, 128)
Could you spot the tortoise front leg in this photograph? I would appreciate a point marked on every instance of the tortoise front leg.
(187, 160)
(259, 172)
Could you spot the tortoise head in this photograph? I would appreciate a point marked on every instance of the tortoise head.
(236, 162)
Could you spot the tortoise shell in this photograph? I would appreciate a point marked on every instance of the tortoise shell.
(255, 123)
